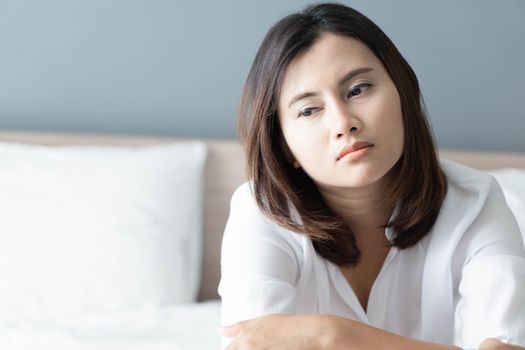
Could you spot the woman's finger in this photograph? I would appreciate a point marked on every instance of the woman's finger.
(231, 331)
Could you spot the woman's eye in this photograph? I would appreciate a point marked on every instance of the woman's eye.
(358, 90)
(306, 112)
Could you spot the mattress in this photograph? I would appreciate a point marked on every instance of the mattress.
(181, 327)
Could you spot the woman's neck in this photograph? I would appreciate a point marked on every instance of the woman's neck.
(362, 209)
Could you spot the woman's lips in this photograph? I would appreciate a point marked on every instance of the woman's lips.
(355, 151)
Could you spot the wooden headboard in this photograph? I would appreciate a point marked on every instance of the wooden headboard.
(224, 172)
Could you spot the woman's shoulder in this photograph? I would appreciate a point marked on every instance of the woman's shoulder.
(254, 248)
(243, 189)
(244, 204)
(464, 176)
(475, 214)
(472, 191)
(242, 198)
(248, 219)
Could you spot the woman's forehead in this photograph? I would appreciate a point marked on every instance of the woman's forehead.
(326, 62)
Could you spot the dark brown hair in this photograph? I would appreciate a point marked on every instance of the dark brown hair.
(282, 192)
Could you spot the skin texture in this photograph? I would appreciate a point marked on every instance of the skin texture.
(365, 108)
(290, 332)
(270, 331)
(330, 114)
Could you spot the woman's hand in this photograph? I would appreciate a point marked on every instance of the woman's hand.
(494, 344)
(279, 332)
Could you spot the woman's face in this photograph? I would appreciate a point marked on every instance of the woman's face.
(340, 114)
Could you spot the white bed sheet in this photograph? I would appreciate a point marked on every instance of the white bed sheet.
(182, 327)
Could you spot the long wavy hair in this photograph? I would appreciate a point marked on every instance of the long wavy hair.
(281, 191)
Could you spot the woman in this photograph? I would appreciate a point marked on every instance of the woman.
(350, 233)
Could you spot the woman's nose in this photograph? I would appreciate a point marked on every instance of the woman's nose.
(345, 122)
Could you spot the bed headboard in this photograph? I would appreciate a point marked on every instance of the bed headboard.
(224, 172)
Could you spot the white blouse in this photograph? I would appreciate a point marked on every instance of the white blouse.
(464, 282)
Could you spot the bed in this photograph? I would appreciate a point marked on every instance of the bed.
(75, 288)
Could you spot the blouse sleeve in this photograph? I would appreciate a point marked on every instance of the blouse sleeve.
(259, 264)
(491, 291)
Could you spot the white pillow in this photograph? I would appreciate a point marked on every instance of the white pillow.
(512, 182)
(98, 228)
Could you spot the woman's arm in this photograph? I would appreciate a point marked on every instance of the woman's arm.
(259, 265)
(489, 270)
(290, 332)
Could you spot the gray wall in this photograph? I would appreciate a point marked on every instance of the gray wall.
(177, 67)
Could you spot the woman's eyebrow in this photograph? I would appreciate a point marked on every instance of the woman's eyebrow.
(348, 76)
(300, 97)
